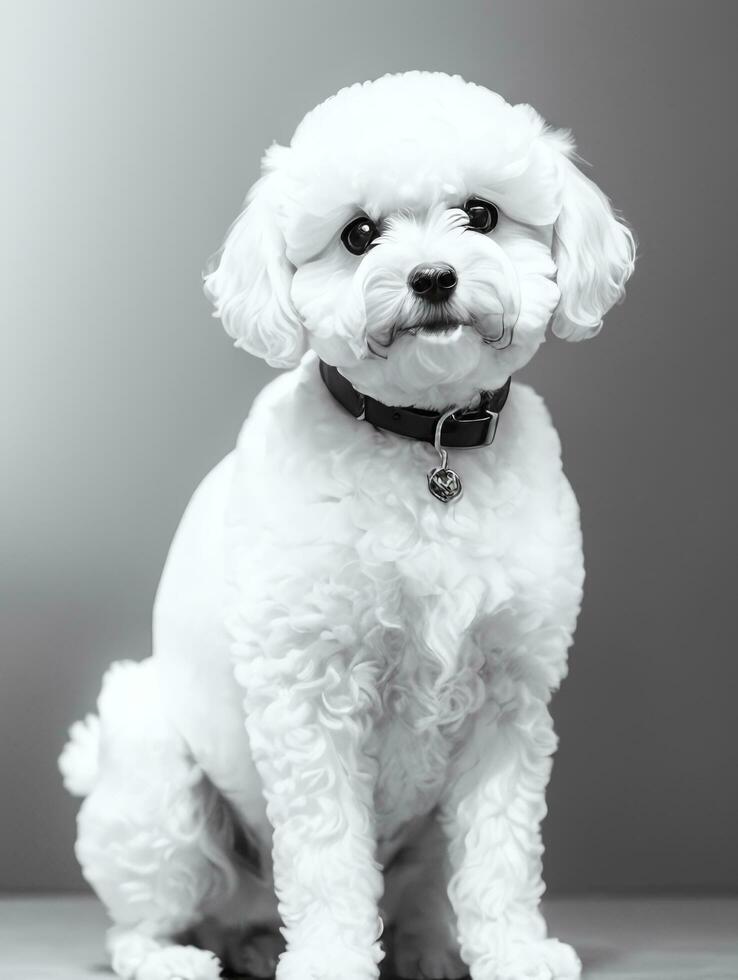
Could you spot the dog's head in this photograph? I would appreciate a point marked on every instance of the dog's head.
(420, 233)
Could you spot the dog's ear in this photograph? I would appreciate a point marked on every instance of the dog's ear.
(250, 287)
(594, 253)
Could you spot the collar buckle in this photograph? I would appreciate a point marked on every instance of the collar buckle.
(492, 419)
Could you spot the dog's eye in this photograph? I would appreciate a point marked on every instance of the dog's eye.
(483, 216)
(358, 234)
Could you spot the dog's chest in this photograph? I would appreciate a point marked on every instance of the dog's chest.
(422, 720)
(430, 587)
(359, 592)
(375, 599)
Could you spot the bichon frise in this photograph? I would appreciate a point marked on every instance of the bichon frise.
(344, 727)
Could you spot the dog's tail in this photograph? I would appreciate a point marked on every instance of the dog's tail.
(79, 759)
(127, 702)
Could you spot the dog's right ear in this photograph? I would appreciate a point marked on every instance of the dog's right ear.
(250, 286)
(594, 251)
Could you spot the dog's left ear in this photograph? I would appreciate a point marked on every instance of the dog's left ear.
(250, 287)
(594, 253)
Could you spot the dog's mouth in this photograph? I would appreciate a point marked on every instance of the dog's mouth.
(445, 331)
(436, 327)
(429, 328)
(435, 331)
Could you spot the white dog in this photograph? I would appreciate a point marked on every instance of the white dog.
(344, 725)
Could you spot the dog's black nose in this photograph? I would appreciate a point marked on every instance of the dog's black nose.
(433, 282)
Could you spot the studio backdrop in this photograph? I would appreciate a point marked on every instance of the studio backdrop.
(132, 133)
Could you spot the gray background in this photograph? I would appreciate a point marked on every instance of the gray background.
(134, 130)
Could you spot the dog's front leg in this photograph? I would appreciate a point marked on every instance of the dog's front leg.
(491, 814)
(307, 718)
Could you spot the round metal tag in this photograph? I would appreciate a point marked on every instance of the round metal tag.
(444, 484)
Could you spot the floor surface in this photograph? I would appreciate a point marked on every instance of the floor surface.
(617, 938)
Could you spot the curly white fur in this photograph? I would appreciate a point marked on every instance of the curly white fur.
(345, 721)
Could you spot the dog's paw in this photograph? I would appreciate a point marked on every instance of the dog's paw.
(179, 963)
(327, 962)
(545, 960)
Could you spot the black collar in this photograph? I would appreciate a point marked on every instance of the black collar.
(459, 430)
